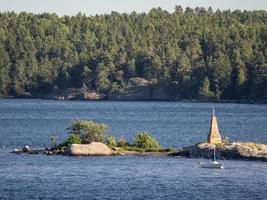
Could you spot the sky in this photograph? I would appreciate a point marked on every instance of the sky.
(93, 7)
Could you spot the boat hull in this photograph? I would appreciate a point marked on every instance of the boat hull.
(212, 165)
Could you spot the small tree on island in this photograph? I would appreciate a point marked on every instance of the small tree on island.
(73, 139)
(145, 141)
(88, 131)
(111, 142)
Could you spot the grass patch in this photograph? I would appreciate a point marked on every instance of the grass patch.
(133, 148)
(169, 149)
(142, 150)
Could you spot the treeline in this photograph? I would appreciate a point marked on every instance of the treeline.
(198, 53)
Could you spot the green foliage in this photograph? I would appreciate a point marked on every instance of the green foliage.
(73, 139)
(141, 150)
(89, 131)
(133, 148)
(144, 140)
(204, 91)
(41, 52)
(4, 72)
(111, 142)
(170, 149)
(102, 81)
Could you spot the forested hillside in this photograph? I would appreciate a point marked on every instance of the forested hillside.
(198, 53)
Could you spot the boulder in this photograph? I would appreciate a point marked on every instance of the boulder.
(74, 94)
(137, 82)
(92, 95)
(133, 94)
(15, 150)
(92, 149)
(139, 89)
(26, 149)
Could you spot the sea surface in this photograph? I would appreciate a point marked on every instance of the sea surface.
(32, 122)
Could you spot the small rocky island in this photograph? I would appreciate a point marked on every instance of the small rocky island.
(87, 138)
(224, 149)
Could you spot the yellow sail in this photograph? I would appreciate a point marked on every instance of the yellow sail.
(214, 136)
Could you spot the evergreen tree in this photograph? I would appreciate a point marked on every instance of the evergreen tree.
(43, 52)
(204, 91)
(102, 81)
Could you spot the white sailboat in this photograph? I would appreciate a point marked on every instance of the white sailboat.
(212, 164)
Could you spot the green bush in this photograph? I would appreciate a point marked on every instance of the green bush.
(111, 142)
(89, 131)
(73, 139)
(121, 142)
(169, 149)
(145, 141)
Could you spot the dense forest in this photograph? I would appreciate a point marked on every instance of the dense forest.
(198, 53)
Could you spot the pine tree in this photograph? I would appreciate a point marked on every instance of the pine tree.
(102, 81)
(204, 90)
(4, 72)
(42, 52)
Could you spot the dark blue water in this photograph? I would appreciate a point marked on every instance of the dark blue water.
(172, 123)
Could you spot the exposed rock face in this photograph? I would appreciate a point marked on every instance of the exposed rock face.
(133, 94)
(74, 94)
(138, 89)
(138, 82)
(225, 151)
(92, 149)
(90, 95)
(142, 89)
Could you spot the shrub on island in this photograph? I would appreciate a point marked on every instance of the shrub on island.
(145, 141)
(88, 131)
(73, 139)
(169, 149)
(111, 142)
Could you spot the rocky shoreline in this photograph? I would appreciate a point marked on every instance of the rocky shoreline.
(92, 149)
(87, 138)
(225, 151)
(138, 89)
(94, 96)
